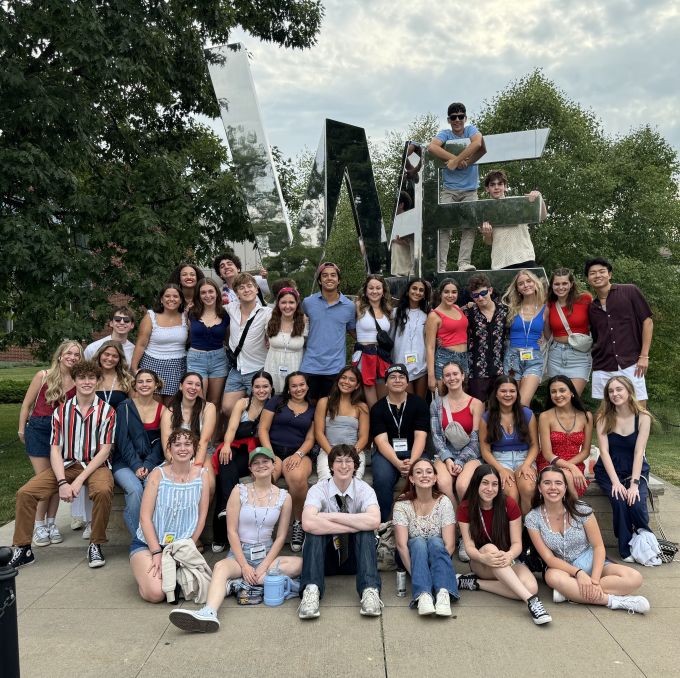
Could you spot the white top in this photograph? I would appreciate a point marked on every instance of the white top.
(409, 345)
(360, 496)
(91, 349)
(442, 514)
(511, 245)
(284, 356)
(254, 351)
(366, 332)
(167, 343)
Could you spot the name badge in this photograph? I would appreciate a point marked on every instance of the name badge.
(258, 552)
(283, 370)
(526, 354)
(400, 445)
(168, 538)
(336, 543)
(410, 358)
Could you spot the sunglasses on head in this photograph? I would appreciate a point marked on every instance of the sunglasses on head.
(481, 293)
(457, 116)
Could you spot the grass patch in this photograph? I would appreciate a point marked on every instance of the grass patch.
(15, 468)
(20, 371)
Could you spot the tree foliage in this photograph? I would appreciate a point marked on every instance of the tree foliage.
(106, 178)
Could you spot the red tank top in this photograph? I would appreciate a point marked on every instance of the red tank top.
(452, 332)
(156, 423)
(464, 417)
(42, 407)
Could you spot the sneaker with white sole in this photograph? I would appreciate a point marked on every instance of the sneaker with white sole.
(558, 597)
(297, 539)
(633, 604)
(87, 532)
(371, 605)
(538, 613)
(217, 548)
(95, 556)
(77, 522)
(41, 536)
(197, 621)
(309, 605)
(442, 606)
(55, 535)
(467, 267)
(628, 559)
(462, 553)
(468, 582)
(21, 555)
(425, 604)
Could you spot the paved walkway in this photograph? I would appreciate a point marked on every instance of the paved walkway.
(77, 622)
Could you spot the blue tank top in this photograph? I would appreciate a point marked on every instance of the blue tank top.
(510, 442)
(526, 333)
(176, 510)
(205, 338)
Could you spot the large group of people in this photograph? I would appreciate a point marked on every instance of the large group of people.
(220, 385)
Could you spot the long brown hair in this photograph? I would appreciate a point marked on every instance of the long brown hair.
(197, 309)
(196, 411)
(574, 293)
(409, 493)
(358, 396)
(494, 430)
(572, 505)
(363, 304)
(500, 524)
(274, 324)
(123, 374)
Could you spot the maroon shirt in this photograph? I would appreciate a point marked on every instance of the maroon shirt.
(617, 331)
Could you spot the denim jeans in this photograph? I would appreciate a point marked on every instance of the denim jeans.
(431, 567)
(133, 487)
(385, 477)
(320, 560)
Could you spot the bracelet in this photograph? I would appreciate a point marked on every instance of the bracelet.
(577, 571)
(156, 552)
(300, 454)
(644, 356)
(61, 482)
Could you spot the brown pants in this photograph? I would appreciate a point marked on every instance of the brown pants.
(44, 485)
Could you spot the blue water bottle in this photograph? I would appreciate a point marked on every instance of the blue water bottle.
(276, 586)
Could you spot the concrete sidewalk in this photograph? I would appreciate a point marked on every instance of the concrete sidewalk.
(77, 622)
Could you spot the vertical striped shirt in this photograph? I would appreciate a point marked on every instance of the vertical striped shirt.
(81, 434)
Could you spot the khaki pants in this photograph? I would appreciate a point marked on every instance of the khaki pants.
(44, 485)
(467, 236)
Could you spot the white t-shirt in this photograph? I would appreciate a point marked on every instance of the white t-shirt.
(91, 349)
(511, 245)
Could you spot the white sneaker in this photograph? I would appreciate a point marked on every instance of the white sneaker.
(425, 604)
(87, 532)
(462, 553)
(41, 536)
(217, 548)
(558, 597)
(77, 522)
(633, 604)
(55, 535)
(628, 559)
(442, 607)
(199, 621)
(309, 605)
(371, 605)
(467, 267)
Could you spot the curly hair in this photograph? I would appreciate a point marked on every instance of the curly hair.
(178, 433)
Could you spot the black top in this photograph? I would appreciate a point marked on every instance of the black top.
(413, 414)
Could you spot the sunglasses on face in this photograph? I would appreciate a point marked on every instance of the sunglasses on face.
(121, 319)
(457, 116)
(481, 293)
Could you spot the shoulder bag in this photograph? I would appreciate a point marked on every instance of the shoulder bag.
(385, 341)
(578, 341)
(233, 355)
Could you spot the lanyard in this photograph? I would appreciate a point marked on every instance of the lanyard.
(486, 532)
(107, 394)
(401, 416)
(254, 507)
(527, 332)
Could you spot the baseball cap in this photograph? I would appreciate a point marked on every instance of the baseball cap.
(260, 452)
(393, 369)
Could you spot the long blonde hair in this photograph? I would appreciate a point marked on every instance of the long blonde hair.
(55, 392)
(513, 299)
(606, 413)
(123, 376)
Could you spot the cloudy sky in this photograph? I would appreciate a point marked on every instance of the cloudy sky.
(380, 63)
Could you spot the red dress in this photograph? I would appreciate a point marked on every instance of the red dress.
(566, 446)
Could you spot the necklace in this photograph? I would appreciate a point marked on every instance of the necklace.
(175, 479)
(564, 428)
(292, 409)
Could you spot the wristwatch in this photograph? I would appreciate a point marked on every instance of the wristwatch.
(300, 454)
(636, 481)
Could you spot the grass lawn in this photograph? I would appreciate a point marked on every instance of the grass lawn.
(15, 469)
(20, 371)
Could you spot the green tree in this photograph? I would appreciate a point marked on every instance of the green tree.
(106, 178)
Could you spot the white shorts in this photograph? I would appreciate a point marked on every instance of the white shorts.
(601, 377)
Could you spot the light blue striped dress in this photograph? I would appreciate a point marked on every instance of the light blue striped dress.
(176, 510)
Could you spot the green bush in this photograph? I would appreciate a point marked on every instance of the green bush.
(13, 390)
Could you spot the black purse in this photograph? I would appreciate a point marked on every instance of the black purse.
(385, 341)
(246, 429)
(232, 355)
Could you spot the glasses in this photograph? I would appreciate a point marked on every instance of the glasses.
(457, 116)
(481, 293)
(121, 319)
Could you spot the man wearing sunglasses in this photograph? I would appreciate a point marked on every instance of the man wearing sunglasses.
(122, 321)
(487, 332)
(511, 246)
(460, 181)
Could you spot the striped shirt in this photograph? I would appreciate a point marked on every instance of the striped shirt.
(81, 435)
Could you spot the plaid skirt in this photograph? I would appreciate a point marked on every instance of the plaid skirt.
(170, 370)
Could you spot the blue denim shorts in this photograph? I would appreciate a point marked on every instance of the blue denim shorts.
(442, 356)
(563, 359)
(209, 364)
(239, 382)
(511, 459)
(246, 552)
(585, 561)
(519, 369)
(37, 436)
(136, 546)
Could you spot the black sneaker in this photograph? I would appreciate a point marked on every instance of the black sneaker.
(468, 582)
(22, 555)
(297, 538)
(538, 612)
(95, 557)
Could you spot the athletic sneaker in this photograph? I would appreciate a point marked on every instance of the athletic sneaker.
(199, 621)
(558, 597)
(41, 536)
(55, 535)
(218, 548)
(462, 553)
(468, 582)
(442, 606)
(87, 532)
(425, 604)
(633, 604)
(309, 605)
(371, 605)
(21, 555)
(538, 612)
(77, 522)
(628, 559)
(297, 538)
(95, 556)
